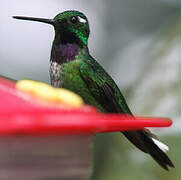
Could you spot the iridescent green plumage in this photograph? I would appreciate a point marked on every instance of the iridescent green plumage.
(72, 67)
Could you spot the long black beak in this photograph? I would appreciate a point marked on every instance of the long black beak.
(48, 21)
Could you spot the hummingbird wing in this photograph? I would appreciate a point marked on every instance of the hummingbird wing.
(106, 92)
(103, 88)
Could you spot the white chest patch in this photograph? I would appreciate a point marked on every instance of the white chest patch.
(55, 70)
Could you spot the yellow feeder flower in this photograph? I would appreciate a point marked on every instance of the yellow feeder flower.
(47, 93)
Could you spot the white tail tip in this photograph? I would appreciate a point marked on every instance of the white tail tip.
(162, 146)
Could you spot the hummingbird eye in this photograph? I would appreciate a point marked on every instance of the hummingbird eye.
(74, 19)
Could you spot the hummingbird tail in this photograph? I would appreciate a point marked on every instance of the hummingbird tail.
(148, 144)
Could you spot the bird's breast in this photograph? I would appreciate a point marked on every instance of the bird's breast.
(55, 72)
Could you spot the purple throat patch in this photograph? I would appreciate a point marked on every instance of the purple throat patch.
(67, 51)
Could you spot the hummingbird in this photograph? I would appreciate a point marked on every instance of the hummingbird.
(72, 67)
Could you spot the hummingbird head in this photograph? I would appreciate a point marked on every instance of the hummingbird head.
(70, 27)
(71, 35)
(73, 26)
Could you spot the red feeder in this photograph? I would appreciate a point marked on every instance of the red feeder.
(46, 142)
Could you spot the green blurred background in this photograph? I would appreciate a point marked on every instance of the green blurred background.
(139, 44)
